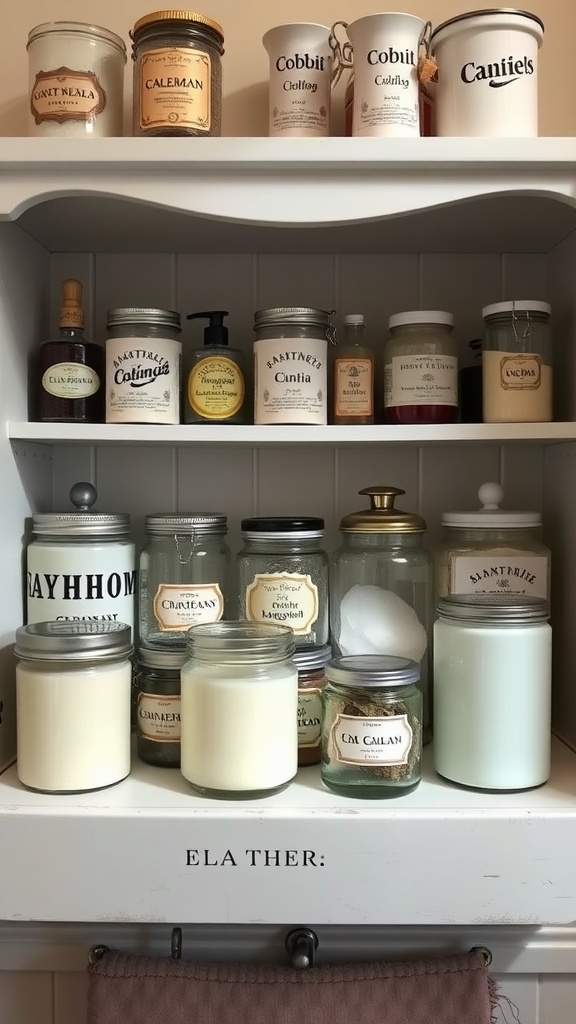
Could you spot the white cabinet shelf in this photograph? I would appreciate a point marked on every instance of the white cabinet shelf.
(149, 849)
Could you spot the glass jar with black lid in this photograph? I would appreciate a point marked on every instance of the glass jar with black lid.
(283, 575)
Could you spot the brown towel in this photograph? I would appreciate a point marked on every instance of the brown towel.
(126, 989)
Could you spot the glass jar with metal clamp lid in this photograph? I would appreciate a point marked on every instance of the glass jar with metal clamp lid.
(517, 362)
(184, 570)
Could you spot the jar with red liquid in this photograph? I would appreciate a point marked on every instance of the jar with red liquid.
(421, 368)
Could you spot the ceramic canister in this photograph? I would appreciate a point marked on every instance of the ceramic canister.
(300, 74)
(487, 73)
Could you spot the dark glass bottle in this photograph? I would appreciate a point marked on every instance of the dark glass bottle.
(71, 369)
(471, 386)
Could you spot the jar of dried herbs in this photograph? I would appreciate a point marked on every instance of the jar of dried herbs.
(372, 726)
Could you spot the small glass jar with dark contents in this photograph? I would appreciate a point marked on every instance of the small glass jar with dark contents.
(158, 711)
(310, 662)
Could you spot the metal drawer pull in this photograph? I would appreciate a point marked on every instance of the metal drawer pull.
(301, 945)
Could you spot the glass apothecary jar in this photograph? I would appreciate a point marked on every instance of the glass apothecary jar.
(311, 663)
(184, 576)
(158, 708)
(283, 575)
(73, 690)
(492, 550)
(517, 362)
(239, 729)
(421, 368)
(372, 726)
(381, 589)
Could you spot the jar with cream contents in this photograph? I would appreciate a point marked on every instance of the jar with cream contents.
(239, 729)
(73, 690)
(517, 362)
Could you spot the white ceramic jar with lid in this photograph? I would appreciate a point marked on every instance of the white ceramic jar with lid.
(73, 690)
(492, 690)
(517, 362)
(81, 564)
(421, 368)
(492, 550)
(76, 76)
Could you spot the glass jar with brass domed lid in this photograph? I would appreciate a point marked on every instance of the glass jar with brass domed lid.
(381, 589)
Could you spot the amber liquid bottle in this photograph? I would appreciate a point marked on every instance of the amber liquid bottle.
(70, 369)
(353, 375)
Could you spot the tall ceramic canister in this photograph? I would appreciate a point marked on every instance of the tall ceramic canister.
(81, 564)
(300, 80)
(381, 583)
(386, 101)
(488, 73)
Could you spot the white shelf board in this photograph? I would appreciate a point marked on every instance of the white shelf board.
(152, 850)
(205, 434)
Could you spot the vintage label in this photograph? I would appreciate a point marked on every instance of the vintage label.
(70, 380)
(80, 582)
(382, 741)
(216, 388)
(66, 95)
(143, 380)
(286, 597)
(158, 717)
(421, 380)
(309, 717)
(386, 89)
(299, 94)
(353, 387)
(520, 372)
(498, 574)
(290, 380)
(175, 88)
(177, 607)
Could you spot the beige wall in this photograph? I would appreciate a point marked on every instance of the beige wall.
(245, 61)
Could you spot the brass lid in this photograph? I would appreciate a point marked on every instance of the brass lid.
(198, 19)
(382, 517)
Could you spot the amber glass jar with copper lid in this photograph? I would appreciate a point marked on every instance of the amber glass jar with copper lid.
(177, 74)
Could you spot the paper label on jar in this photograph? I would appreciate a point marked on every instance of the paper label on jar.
(299, 95)
(158, 717)
(143, 380)
(520, 372)
(175, 87)
(177, 607)
(285, 597)
(498, 574)
(70, 380)
(290, 380)
(375, 741)
(421, 380)
(77, 582)
(309, 717)
(353, 387)
(66, 95)
(216, 388)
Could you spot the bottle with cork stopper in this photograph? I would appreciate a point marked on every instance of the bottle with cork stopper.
(70, 368)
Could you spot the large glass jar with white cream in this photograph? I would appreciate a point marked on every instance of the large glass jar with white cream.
(239, 709)
(492, 550)
(73, 704)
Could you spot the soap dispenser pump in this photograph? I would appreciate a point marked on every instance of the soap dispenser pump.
(215, 388)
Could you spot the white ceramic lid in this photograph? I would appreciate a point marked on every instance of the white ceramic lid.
(490, 515)
(518, 306)
(421, 316)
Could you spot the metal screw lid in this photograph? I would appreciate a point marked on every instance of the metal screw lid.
(128, 315)
(496, 609)
(82, 523)
(176, 15)
(382, 516)
(73, 641)
(170, 660)
(158, 524)
(282, 524)
(308, 658)
(372, 670)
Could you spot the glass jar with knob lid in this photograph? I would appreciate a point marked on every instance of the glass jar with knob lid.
(492, 550)
(381, 590)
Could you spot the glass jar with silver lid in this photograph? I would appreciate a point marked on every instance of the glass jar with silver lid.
(143, 366)
(81, 565)
(290, 365)
(73, 688)
(184, 576)
(158, 707)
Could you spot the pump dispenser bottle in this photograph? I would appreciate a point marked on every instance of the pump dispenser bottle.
(215, 387)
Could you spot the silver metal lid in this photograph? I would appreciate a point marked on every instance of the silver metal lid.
(136, 315)
(158, 524)
(308, 658)
(73, 641)
(496, 609)
(297, 316)
(170, 660)
(482, 13)
(82, 523)
(372, 670)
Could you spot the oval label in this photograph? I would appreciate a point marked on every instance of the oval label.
(70, 380)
